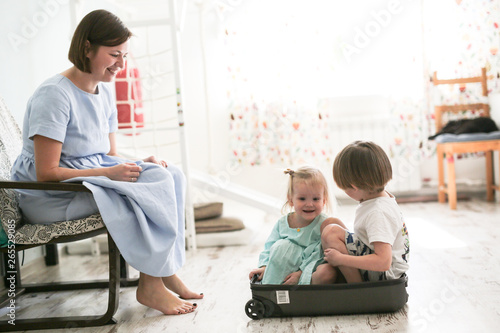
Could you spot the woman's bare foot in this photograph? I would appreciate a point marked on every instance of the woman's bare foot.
(177, 286)
(152, 293)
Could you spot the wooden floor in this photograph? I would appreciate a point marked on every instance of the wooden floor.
(453, 281)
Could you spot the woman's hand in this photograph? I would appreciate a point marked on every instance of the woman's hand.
(293, 278)
(153, 159)
(259, 272)
(125, 172)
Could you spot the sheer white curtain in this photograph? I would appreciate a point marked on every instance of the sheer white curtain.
(287, 60)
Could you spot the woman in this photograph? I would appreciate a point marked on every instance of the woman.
(69, 134)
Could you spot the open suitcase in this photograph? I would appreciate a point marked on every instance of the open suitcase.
(321, 300)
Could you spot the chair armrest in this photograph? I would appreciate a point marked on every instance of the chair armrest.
(45, 186)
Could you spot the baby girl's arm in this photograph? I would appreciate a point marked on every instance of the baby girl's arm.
(380, 261)
(293, 278)
(259, 271)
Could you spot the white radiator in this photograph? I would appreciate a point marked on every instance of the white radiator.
(369, 118)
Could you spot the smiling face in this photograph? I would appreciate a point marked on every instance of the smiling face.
(308, 201)
(107, 61)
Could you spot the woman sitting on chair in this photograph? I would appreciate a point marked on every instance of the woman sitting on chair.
(69, 134)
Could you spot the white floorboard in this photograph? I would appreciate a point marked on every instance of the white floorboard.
(453, 281)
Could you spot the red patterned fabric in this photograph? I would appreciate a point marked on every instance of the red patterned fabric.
(129, 91)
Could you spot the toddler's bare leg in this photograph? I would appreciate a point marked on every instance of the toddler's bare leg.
(333, 236)
(332, 220)
(324, 274)
(151, 292)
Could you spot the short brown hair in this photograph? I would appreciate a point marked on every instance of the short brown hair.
(100, 28)
(362, 164)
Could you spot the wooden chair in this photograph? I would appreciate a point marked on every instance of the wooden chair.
(475, 143)
(24, 236)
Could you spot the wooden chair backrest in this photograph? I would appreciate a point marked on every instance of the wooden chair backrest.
(439, 110)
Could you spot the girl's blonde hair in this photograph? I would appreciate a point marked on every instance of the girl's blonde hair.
(362, 164)
(312, 177)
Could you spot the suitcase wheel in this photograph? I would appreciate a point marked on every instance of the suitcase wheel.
(255, 309)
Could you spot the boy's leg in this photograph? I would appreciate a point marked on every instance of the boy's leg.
(332, 220)
(333, 236)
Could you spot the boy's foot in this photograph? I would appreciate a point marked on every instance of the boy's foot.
(175, 284)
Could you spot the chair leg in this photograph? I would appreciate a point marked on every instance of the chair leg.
(441, 186)
(77, 321)
(490, 183)
(125, 281)
(51, 255)
(452, 186)
(495, 186)
(11, 275)
(114, 282)
(12, 279)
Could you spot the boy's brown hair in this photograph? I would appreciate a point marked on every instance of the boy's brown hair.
(97, 28)
(363, 164)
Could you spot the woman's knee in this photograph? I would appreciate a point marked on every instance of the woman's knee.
(177, 174)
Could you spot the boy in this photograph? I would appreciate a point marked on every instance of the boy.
(379, 247)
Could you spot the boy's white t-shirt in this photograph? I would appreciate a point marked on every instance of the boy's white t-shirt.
(381, 220)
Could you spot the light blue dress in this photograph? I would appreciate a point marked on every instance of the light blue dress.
(289, 249)
(145, 218)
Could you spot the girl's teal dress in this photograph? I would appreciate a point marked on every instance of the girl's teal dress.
(289, 249)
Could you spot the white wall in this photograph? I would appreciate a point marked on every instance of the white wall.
(34, 44)
(267, 179)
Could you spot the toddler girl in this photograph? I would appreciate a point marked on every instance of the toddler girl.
(293, 253)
